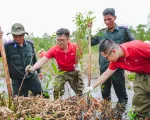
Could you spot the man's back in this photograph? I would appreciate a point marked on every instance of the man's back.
(137, 57)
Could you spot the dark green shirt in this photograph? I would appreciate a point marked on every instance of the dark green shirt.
(18, 58)
(119, 36)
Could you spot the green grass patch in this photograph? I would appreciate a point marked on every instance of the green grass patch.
(131, 77)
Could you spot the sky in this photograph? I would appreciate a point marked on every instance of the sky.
(46, 16)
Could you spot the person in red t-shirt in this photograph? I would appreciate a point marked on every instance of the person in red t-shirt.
(133, 56)
(67, 60)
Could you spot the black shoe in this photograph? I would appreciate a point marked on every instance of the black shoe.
(119, 110)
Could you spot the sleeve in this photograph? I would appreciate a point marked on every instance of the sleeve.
(128, 35)
(95, 39)
(35, 59)
(112, 66)
(50, 53)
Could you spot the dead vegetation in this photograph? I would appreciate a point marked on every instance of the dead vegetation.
(73, 108)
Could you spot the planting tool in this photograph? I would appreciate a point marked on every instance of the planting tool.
(4, 61)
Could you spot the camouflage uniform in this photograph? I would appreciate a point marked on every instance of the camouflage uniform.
(141, 98)
(74, 80)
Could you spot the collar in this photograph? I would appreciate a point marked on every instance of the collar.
(70, 46)
(25, 43)
(125, 50)
(116, 28)
(17, 45)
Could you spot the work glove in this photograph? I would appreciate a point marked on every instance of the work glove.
(87, 89)
(28, 69)
(77, 67)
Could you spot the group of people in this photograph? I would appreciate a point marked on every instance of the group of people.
(118, 51)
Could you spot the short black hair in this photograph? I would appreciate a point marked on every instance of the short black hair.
(110, 11)
(62, 31)
(106, 45)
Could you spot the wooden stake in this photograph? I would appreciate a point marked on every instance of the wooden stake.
(89, 64)
(4, 61)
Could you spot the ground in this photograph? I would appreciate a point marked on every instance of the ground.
(94, 74)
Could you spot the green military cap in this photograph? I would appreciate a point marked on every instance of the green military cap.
(17, 29)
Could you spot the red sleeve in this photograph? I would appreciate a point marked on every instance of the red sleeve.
(112, 66)
(50, 53)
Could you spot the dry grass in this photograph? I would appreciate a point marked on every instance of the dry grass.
(73, 108)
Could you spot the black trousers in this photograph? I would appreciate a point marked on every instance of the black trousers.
(118, 81)
(32, 84)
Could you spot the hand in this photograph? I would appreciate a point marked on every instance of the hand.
(40, 76)
(89, 24)
(1, 34)
(77, 67)
(29, 69)
(87, 89)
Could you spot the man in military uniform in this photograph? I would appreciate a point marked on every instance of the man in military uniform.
(19, 54)
(118, 35)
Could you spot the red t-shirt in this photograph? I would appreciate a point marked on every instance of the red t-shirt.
(137, 57)
(65, 60)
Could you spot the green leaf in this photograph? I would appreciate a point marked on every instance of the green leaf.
(54, 68)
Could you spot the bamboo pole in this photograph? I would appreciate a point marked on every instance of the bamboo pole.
(89, 61)
(4, 61)
(89, 64)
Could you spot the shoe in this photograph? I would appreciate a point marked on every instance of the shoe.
(119, 110)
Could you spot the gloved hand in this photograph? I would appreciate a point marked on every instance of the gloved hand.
(87, 89)
(77, 67)
(29, 69)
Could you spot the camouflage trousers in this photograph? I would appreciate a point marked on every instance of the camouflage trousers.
(73, 78)
(141, 98)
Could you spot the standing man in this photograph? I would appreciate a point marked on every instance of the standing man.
(118, 35)
(65, 55)
(19, 54)
(133, 56)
